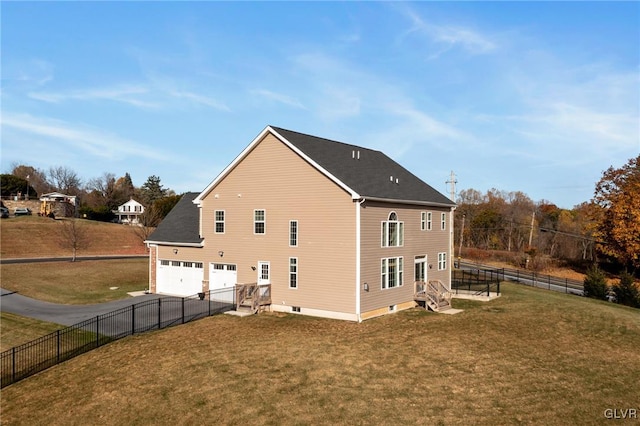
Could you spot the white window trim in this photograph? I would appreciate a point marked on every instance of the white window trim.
(423, 221)
(429, 221)
(384, 231)
(216, 221)
(264, 222)
(443, 221)
(292, 273)
(291, 222)
(384, 272)
(442, 261)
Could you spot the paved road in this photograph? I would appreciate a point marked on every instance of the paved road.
(68, 259)
(62, 314)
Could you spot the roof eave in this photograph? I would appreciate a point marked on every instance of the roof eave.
(414, 202)
(178, 244)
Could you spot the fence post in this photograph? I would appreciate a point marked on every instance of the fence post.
(183, 310)
(97, 331)
(133, 319)
(209, 301)
(13, 364)
(159, 313)
(58, 346)
(566, 285)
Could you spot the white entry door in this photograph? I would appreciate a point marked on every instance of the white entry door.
(222, 276)
(263, 273)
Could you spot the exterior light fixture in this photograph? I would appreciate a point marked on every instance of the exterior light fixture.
(366, 287)
(220, 253)
(175, 251)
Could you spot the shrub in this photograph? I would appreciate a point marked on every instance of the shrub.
(626, 292)
(595, 284)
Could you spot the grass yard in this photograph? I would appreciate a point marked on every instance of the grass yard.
(80, 282)
(34, 236)
(531, 356)
(16, 330)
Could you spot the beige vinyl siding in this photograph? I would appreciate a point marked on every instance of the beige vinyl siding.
(416, 243)
(274, 178)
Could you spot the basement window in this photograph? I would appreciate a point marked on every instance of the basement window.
(295, 309)
(393, 308)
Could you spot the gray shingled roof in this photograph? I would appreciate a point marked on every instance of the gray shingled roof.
(370, 175)
(181, 225)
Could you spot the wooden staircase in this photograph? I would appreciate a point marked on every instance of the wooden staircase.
(435, 295)
(252, 297)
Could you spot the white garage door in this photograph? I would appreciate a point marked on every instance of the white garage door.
(179, 278)
(222, 276)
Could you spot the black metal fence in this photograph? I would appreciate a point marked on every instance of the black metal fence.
(533, 279)
(477, 281)
(30, 358)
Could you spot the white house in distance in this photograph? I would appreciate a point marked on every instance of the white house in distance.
(129, 212)
(331, 229)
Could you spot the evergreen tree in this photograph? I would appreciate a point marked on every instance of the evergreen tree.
(626, 292)
(595, 284)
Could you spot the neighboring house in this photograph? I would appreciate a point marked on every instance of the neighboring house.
(59, 205)
(129, 212)
(336, 230)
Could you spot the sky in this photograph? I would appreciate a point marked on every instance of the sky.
(538, 97)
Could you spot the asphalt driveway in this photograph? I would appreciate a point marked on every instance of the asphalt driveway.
(63, 314)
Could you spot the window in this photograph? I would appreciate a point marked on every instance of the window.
(429, 220)
(420, 270)
(293, 272)
(392, 232)
(443, 221)
(423, 221)
(391, 272)
(295, 309)
(175, 263)
(293, 233)
(442, 261)
(164, 262)
(259, 222)
(219, 221)
(198, 265)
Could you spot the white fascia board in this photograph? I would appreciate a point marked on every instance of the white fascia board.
(169, 243)
(414, 202)
(231, 166)
(354, 194)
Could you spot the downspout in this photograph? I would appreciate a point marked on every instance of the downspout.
(358, 263)
(451, 247)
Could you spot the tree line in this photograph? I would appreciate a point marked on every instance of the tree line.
(98, 197)
(601, 233)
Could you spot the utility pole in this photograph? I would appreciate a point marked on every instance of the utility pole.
(461, 239)
(452, 186)
(533, 217)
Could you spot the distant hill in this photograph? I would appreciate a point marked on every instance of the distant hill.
(33, 236)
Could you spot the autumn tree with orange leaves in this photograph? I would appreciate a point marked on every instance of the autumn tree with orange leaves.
(617, 196)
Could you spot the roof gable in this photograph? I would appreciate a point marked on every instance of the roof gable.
(362, 172)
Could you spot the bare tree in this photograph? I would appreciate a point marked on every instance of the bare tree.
(148, 221)
(65, 180)
(73, 236)
(36, 178)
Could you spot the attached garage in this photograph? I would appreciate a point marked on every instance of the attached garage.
(179, 278)
(222, 279)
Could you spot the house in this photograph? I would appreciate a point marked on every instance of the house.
(129, 212)
(59, 205)
(334, 230)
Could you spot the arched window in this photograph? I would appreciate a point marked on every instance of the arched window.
(392, 231)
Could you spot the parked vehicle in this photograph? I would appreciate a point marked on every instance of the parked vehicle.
(4, 212)
(22, 211)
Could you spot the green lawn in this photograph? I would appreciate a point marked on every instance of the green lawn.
(81, 282)
(531, 356)
(16, 330)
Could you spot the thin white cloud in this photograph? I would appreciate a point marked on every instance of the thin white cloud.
(199, 99)
(82, 138)
(448, 37)
(127, 94)
(278, 97)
